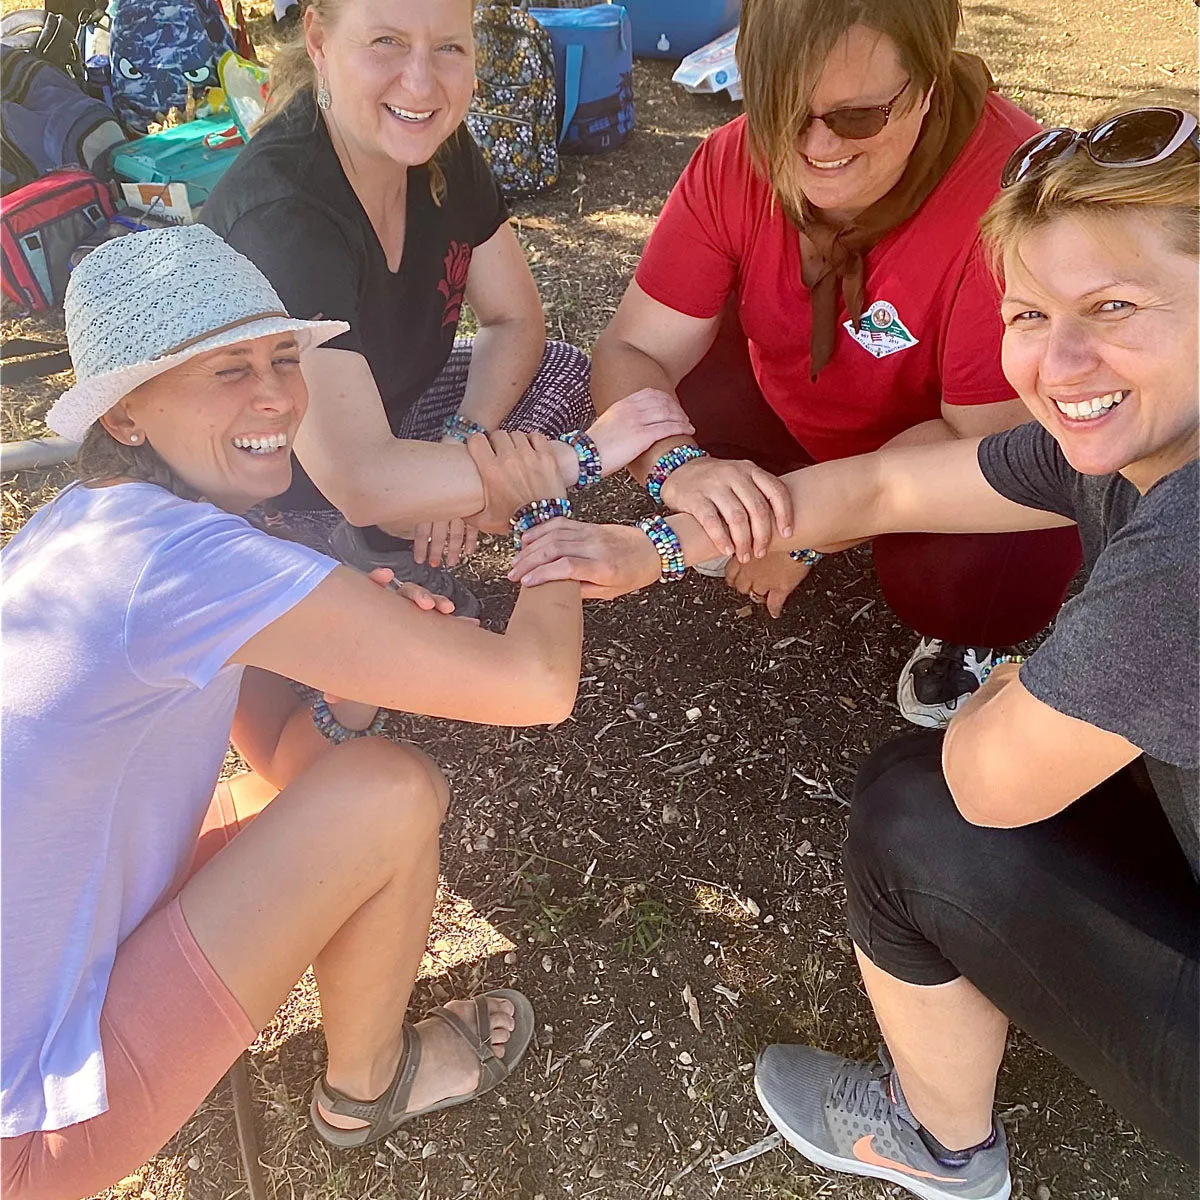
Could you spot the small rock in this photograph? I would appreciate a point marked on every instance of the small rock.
(685, 1058)
(194, 1163)
(671, 814)
(588, 1148)
(631, 1130)
(693, 714)
(510, 959)
(597, 1171)
(547, 963)
(1043, 1192)
(429, 1149)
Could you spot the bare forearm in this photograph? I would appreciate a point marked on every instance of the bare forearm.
(504, 359)
(619, 370)
(545, 638)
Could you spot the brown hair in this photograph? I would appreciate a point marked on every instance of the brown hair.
(102, 459)
(1080, 186)
(782, 46)
(293, 73)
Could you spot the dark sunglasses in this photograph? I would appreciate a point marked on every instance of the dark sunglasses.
(1135, 138)
(856, 124)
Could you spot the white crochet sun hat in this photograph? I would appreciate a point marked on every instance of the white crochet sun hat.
(144, 303)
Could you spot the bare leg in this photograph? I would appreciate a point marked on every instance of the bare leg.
(947, 1042)
(339, 870)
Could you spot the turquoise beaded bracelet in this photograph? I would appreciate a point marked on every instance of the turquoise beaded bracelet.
(807, 558)
(536, 513)
(665, 464)
(666, 541)
(588, 453)
(998, 662)
(460, 428)
(328, 726)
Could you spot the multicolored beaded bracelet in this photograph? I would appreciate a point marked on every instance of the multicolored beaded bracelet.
(540, 511)
(330, 727)
(997, 662)
(672, 460)
(666, 542)
(588, 454)
(807, 558)
(460, 428)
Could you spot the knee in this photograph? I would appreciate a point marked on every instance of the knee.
(395, 785)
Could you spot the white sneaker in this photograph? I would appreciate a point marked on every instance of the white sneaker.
(938, 678)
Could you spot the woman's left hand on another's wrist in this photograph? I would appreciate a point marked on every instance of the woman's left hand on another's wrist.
(633, 424)
(608, 560)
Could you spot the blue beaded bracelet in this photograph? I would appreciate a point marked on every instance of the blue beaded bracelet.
(540, 511)
(460, 428)
(672, 460)
(666, 542)
(330, 727)
(997, 662)
(588, 454)
(808, 558)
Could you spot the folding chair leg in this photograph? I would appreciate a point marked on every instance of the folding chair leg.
(243, 1119)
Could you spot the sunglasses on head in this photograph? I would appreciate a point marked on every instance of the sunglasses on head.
(1135, 138)
(858, 123)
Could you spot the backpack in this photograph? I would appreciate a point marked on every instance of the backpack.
(159, 49)
(593, 62)
(40, 226)
(47, 122)
(513, 117)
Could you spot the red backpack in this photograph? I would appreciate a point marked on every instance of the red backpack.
(40, 225)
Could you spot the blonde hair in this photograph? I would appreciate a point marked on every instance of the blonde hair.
(782, 46)
(293, 73)
(1078, 186)
(102, 459)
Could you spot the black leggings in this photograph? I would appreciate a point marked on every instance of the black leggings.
(1082, 929)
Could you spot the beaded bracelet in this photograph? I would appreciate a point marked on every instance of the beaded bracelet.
(667, 463)
(540, 511)
(666, 542)
(807, 558)
(588, 454)
(330, 727)
(460, 428)
(996, 662)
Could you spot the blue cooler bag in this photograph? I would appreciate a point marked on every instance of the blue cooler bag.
(593, 65)
(197, 153)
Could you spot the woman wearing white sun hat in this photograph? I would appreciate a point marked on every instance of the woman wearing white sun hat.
(145, 619)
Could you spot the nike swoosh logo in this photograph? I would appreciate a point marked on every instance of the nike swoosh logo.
(865, 1152)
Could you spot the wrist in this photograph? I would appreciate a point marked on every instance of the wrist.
(667, 548)
(567, 462)
(666, 465)
(537, 512)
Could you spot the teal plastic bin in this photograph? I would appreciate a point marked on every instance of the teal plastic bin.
(196, 154)
(674, 28)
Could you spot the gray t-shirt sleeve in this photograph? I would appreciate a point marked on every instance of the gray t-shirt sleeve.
(1025, 465)
(1122, 654)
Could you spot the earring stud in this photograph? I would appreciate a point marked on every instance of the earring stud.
(134, 438)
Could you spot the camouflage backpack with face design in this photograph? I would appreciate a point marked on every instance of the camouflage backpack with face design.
(513, 116)
(160, 47)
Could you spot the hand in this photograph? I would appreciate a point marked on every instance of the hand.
(608, 560)
(632, 425)
(515, 469)
(770, 580)
(735, 500)
(450, 542)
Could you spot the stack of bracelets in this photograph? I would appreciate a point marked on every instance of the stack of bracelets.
(330, 727)
(999, 662)
(666, 542)
(536, 513)
(588, 454)
(668, 463)
(807, 558)
(460, 428)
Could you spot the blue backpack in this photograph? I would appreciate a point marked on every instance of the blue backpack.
(158, 48)
(48, 122)
(593, 63)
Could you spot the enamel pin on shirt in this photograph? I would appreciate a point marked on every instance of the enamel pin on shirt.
(881, 332)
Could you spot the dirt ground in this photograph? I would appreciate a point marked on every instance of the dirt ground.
(660, 872)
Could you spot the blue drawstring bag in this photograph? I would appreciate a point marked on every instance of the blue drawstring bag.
(593, 65)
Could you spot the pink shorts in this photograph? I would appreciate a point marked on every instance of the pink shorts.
(169, 1030)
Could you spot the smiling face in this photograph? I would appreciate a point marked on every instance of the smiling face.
(224, 422)
(401, 74)
(841, 176)
(1100, 320)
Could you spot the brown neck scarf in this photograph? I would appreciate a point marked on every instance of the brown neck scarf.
(837, 250)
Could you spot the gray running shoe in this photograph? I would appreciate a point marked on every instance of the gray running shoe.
(850, 1116)
(348, 544)
(938, 679)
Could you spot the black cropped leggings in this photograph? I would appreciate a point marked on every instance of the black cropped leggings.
(1083, 929)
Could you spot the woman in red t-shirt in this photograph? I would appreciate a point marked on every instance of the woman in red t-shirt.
(814, 289)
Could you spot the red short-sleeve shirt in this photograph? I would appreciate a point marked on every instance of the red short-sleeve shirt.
(931, 325)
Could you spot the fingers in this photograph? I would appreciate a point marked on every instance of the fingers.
(420, 541)
(384, 576)
(737, 520)
(470, 540)
(776, 599)
(713, 524)
(456, 532)
(424, 599)
(759, 514)
(778, 496)
(560, 568)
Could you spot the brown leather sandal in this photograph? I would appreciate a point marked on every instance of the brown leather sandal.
(388, 1111)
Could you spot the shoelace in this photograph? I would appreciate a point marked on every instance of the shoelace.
(859, 1088)
(944, 675)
